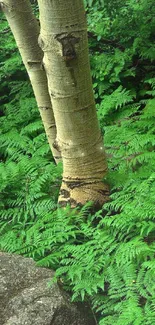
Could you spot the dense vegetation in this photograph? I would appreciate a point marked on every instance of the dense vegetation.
(106, 257)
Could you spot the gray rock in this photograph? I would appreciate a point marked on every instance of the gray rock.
(27, 299)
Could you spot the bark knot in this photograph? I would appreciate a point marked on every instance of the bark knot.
(68, 45)
(56, 145)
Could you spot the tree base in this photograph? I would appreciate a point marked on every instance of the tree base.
(79, 192)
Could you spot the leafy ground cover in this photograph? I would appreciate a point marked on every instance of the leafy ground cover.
(105, 257)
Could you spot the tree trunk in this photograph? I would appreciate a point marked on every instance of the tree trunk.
(25, 29)
(63, 39)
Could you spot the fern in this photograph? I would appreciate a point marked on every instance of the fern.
(107, 257)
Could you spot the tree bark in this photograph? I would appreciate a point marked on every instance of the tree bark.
(64, 41)
(25, 29)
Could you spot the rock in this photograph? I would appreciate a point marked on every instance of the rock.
(27, 299)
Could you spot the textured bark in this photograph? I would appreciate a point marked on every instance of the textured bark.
(63, 39)
(25, 29)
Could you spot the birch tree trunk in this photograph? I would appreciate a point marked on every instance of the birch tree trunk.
(63, 39)
(25, 29)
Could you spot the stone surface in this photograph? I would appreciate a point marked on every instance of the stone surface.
(27, 299)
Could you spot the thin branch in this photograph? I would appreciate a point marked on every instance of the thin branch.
(5, 31)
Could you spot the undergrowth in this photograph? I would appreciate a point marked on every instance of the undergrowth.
(107, 257)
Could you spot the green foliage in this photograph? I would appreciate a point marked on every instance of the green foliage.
(107, 257)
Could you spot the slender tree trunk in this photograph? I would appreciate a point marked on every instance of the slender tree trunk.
(63, 39)
(25, 29)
